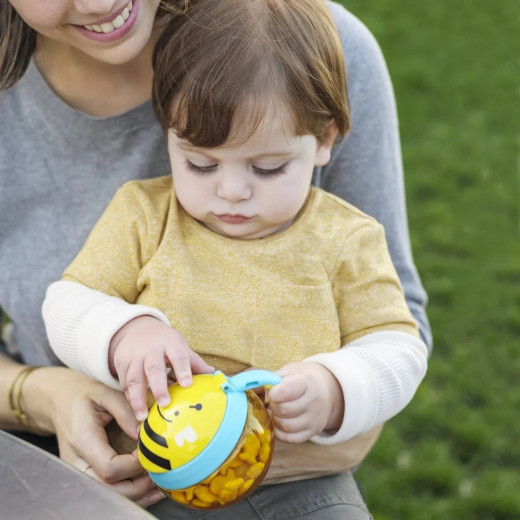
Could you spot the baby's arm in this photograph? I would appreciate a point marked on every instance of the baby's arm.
(120, 344)
(379, 374)
(332, 397)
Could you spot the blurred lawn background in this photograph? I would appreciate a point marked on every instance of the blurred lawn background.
(454, 453)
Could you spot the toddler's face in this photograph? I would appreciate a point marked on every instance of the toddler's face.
(247, 190)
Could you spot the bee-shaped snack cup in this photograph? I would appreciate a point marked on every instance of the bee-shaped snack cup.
(212, 445)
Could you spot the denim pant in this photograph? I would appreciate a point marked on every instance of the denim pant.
(326, 498)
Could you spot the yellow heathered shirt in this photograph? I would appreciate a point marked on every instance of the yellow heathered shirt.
(323, 282)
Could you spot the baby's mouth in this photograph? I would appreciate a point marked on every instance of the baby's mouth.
(116, 23)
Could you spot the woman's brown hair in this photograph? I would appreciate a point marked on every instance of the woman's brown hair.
(222, 60)
(17, 43)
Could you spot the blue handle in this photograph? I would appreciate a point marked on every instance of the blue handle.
(251, 379)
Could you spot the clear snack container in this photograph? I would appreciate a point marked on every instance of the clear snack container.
(213, 444)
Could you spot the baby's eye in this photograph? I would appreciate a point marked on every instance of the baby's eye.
(270, 172)
(200, 169)
(197, 406)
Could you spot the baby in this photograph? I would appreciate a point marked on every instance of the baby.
(234, 260)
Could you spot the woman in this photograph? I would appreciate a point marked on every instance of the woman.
(75, 127)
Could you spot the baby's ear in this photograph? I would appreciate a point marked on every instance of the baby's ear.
(325, 144)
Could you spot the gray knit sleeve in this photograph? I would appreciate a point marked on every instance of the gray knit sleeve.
(366, 167)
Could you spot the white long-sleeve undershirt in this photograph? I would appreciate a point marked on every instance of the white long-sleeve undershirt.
(81, 322)
(379, 373)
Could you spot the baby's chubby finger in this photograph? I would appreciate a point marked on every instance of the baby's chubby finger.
(186, 362)
(157, 376)
(137, 398)
(136, 394)
(182, 371)
(198, 365)
(178, 355)
(290, 388)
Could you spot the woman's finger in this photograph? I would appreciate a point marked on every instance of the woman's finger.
(116, 405)
(139, 489)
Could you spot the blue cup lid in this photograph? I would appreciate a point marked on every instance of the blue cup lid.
(226, 437)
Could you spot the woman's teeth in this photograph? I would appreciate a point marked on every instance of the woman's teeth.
(116, 23)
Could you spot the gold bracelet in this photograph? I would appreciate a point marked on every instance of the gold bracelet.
(15, 400)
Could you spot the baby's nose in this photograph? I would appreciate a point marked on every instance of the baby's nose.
(234, 187)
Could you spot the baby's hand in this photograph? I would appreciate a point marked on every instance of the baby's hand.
(307, 401)
(140, 353)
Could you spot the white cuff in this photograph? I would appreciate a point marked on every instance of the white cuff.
(81, 322)
(379, 374)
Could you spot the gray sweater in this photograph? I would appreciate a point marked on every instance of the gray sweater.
(60, 167)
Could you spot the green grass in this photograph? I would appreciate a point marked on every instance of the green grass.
(454, 453)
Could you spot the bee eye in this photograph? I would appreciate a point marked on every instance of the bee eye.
(197, 406)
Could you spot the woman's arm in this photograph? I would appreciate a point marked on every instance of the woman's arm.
(366, 167)
(9, 371)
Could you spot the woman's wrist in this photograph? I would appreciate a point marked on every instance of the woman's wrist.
(39, 396)
(30, 398)
(15, 398)
(16, 408)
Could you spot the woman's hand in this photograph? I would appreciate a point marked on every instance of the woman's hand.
(77, 409)
(307, 401)
(140, 353)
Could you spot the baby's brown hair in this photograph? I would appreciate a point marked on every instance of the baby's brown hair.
(221, 59)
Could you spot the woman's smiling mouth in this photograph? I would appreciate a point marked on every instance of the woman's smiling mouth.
(113, 26)
(118, 21)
